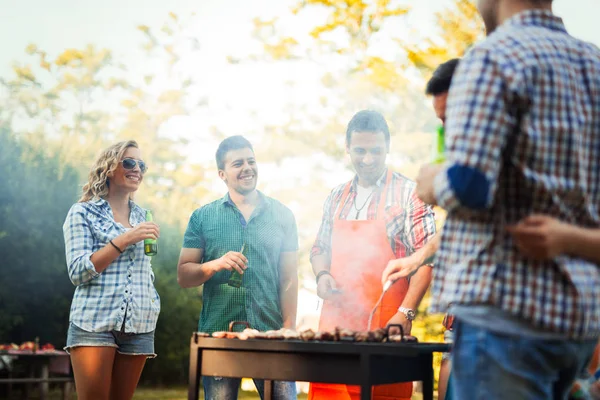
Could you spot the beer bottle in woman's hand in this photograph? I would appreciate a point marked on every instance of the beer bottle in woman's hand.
(150, 245)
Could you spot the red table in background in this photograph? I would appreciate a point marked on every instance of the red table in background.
(39, 366)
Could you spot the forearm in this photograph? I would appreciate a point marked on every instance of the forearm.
(193, 274)
(583, 243)
(320, 263)
(106, 255)
(289, 301)
(417, 288)
(426, 253)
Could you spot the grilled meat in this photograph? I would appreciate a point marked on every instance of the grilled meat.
(307, 335)
(338, 334)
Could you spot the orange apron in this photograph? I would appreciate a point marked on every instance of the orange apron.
(360, 252)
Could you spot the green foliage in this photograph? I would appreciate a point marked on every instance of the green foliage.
(34, 200)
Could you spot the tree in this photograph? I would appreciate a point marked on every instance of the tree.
(84, 99)
(34, 199)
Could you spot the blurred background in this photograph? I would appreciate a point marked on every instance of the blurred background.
(178, 77)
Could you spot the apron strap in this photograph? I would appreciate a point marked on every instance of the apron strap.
(382, 199)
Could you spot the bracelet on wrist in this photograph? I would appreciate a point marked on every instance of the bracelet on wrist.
(116, 247)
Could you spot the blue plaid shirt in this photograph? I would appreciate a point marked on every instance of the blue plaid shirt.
(523, 137)
(125, 289)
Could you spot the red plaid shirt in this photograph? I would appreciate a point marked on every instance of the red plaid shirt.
(410, 222)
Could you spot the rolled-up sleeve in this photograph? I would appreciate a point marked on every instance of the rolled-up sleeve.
(79, 242)
(480, 118)
(420, 222)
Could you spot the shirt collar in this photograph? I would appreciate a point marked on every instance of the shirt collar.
(135, 209)
(226, 200)
(380, 182)
(540, 18)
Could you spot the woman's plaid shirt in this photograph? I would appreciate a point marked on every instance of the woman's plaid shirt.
(524, 109)
(126, 286)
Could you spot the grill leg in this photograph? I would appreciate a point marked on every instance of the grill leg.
(365, 386)
(268, 390)
(428, 378)
(195, 370)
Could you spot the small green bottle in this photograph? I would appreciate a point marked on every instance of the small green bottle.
(235, 279)
(439, 146)
(150, 245)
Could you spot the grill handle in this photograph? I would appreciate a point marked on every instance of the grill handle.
(398, 326)
(232, 324)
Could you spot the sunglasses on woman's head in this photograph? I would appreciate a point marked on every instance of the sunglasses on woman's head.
(130, 163)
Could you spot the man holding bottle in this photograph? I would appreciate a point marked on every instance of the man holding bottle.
(246, 235)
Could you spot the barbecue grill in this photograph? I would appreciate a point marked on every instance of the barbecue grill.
(352, 363)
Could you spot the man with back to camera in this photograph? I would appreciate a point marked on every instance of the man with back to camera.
(367, 222)
(249, 233)
(522, 138)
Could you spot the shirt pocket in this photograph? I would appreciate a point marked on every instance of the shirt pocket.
(104, 230)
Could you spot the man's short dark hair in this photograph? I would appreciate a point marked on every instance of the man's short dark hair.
(442, 78)
(367, 121)
(231, 143)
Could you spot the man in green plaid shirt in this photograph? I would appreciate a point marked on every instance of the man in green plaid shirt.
(212, 250)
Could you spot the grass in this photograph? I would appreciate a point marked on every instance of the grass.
(181, 394)
(144, 393)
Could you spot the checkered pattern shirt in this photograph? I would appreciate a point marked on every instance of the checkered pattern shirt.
(125, 289)
(524, 110)
(410, 223)
(218, 228)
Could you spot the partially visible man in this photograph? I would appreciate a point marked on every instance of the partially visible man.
(248, 233)
(368, 221)
(522, 138)
(437, 87)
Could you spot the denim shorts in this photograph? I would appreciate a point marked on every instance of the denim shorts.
(132, 344)
(448, 338)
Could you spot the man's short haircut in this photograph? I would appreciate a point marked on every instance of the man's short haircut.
(367, 121)
(231, 143)
(442, 78)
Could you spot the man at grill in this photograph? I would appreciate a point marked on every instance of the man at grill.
(366, 223)
(246, 233)
(522, 138)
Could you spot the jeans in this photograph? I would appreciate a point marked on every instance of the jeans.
(489, 365)
(216, 388)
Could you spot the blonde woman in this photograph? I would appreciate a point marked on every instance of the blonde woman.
(115, 306)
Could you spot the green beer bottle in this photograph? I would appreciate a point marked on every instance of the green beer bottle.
(235, 279)
(150, 245)
(439, 146)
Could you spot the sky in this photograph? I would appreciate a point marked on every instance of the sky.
(56, 24)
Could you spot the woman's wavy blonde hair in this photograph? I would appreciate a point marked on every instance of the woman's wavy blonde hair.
(105, 165)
